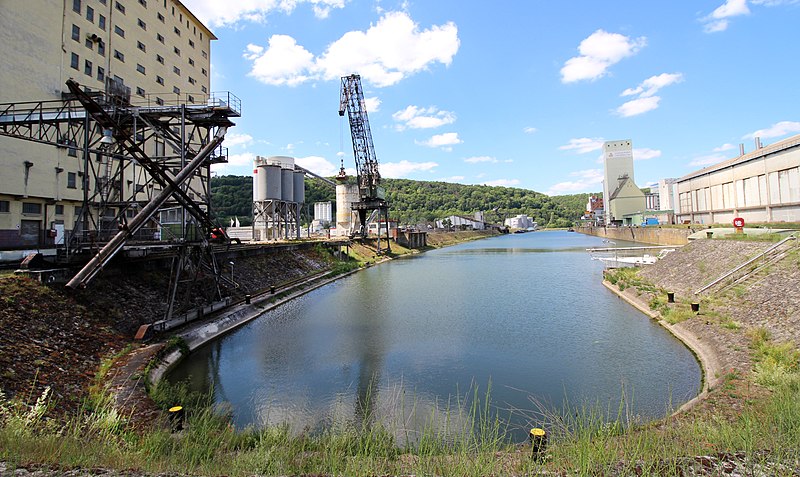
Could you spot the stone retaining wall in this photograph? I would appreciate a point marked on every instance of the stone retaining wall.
(652, 235)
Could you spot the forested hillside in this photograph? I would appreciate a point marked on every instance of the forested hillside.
(414, 202)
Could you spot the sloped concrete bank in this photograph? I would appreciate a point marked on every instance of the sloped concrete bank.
(650, 235)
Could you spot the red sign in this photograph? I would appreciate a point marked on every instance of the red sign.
(738, 222)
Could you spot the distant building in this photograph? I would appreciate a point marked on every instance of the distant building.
(652, 201)
(323, 212)
(760, 186)
(520, 222)
(594, 213)
(461, 222)
(668, 194)
(622, 196)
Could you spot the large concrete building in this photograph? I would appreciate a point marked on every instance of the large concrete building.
(760, 186)
(154, 51)
(621, 195)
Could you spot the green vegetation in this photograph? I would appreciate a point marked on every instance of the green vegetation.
(414, 202)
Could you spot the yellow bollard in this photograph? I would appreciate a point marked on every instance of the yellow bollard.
(538, 442)
(176, 418)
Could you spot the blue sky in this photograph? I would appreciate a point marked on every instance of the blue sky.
(515, 93)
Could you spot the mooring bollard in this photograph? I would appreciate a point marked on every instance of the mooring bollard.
(696, 307)
(272, 289)
(247, 299)
(538, 442)
(176, 418)
(670, 297)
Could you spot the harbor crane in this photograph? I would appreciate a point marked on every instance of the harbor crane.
(372, 197)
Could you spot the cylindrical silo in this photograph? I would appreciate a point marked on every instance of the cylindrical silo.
(272, 176)
(299, 187)
(287, 185)
(259, 183)
(346, 194)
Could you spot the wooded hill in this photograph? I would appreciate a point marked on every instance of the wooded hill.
(415, 202)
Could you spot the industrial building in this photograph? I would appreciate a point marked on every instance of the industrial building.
(69, 179)
(760, 186)
(621, 195)
(278, 193)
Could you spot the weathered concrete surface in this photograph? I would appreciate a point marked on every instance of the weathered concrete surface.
(652, 235)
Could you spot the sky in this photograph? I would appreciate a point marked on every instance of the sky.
(516, 93)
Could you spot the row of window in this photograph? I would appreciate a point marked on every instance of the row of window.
(77, 7)
(775, 188)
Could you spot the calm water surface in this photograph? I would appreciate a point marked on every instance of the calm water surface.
(407, 341)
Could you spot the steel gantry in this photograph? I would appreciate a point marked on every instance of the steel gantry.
(124, 187)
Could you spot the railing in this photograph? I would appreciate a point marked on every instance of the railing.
(741, 267)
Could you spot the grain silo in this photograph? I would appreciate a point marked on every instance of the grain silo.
(346, 219)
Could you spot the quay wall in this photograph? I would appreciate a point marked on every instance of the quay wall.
(649, 235)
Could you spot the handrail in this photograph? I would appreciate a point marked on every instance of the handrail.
(757, 257)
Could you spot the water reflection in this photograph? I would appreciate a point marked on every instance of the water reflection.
(407, 343)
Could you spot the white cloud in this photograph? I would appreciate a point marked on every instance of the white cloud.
(586, 180)
(234, 140)
(404, 168)
(384, 54)
(702, 161)
(645, 153)
(724, 147)
(646, 90)
(529, 130)
(635, 107)
(502, 182)
(598, 52)
(283, 63)
(584, 145)
(422, 118)
(236, 164)
(372, 104)
(651, 85)
(442, 140)
(718, 19)
(776, 130)
(478, 159)
(320, 166)
(215, 13)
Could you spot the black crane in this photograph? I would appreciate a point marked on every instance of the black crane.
(372, 197)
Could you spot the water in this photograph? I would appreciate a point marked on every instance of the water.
(408, 342)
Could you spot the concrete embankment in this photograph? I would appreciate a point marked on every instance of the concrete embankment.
(651, 235)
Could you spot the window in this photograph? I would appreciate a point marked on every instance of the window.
(140, 68)
(119, 55)
(143, 3)
(72, 180)
(191, 43)
(203, 70)
(101, 48)
(204, 89)
(140, 91)
(76, 6)
(191, 62)
(192, 80)
(89, 43)
(5, 206)
(159, 101)
(76, 33)
(160, 59)
(59, 209)
(161, 17)
(101, 73)
(176, 90)
(31, 208)
(205, 55)
(141, 24)
(87, 68)
(177, 50)
(191, 98)
(101, 22)
(120, 7)
(119, 31)
(141, 46)
(160, 37)
(160, 80)
(176, 70)
(176, 30)
(90, 13)
(74, 60)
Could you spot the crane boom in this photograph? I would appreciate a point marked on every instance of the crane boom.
(352, 101)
